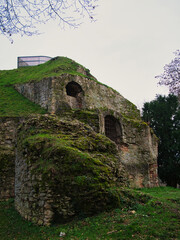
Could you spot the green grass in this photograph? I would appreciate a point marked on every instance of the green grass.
(157, 219)
(164, 193)
(54, 67)
(12, 104)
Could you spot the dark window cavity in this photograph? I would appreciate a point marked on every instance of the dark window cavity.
(113, 129)
(73, 89)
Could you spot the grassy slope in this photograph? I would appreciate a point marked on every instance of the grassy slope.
(158, 219)
(54, 67)
(11, 102)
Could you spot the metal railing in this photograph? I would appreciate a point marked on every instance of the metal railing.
(31, 60)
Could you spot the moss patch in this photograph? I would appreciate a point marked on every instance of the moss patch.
(6, 162)
(89, 117)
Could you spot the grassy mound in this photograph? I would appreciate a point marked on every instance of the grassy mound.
(12, 104)
(55, 67)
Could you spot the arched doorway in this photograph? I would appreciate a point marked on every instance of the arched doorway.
(113, 129)
(74, 90)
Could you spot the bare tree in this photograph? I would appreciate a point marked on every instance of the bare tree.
(22, 16)
(171, 75)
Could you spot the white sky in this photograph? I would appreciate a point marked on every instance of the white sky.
(125, 48)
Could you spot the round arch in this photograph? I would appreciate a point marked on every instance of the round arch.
(73, 89)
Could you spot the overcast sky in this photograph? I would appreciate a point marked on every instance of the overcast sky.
(125, 48)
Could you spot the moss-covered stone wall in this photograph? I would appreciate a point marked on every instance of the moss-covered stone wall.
(91, 104)
(7, 156)
(138, 145)
(65, 169)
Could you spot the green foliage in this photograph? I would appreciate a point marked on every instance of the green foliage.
(157, 219)
(163, 115)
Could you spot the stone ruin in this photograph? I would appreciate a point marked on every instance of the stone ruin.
(72, 102)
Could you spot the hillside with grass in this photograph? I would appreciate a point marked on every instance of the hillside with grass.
(158, 218)
(13, 104)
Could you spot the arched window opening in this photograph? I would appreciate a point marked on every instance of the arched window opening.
(74, 90)
(113, 129)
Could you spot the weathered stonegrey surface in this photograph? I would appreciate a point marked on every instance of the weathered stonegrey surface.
(139, 151)
(93, 96)
(8, 128)
(38, 92)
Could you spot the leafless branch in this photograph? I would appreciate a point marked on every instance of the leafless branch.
(23, 16)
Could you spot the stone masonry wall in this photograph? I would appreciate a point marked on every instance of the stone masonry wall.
(33, 203)
(139, 153)
(38, 92)
(65, 173)
(138, 147)
(51, 94)
(138, 150)
(7, 156)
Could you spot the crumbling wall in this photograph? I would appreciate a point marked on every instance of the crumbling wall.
(32, 201)
(7, 156)
(138, 148)
(139, 151)
(51, 93)
(65, 169)
(136, 143)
